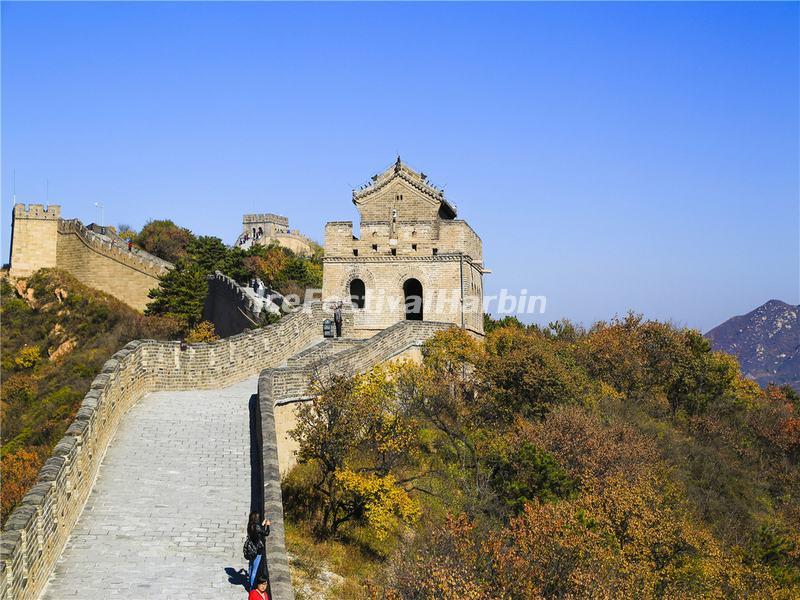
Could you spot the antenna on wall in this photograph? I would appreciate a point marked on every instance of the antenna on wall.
(47, 190)
(14, 188)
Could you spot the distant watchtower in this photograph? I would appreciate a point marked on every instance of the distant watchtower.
(411, 246)
(264, 229)
(34, 238)
(266, 224)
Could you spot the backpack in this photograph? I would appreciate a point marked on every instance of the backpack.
(249, 549)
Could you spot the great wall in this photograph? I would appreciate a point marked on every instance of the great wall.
(76, 507)
(41, 238)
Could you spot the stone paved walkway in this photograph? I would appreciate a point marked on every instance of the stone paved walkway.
(168, 512)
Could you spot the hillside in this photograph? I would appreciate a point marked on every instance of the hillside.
(766, 341)
(629, 460)
(57, 333)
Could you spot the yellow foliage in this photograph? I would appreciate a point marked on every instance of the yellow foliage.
(27, 357)
(202, 332)
(385, 503)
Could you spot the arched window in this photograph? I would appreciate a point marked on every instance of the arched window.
(412, 290)
(358, 293)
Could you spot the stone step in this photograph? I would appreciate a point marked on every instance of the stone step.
(323, 349)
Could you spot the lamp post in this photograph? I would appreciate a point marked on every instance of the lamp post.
(102, 212)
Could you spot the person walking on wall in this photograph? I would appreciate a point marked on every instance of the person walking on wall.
(130, 245)
(337, 319)
(257, 531)
(260, 591)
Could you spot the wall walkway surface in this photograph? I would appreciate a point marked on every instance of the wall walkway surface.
(37, 530)
(166, 516)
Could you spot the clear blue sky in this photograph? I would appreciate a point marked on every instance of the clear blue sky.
(616, 156)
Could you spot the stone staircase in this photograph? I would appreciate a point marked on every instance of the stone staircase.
(323, 350)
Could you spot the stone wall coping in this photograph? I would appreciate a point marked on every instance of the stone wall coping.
(440, 257)
(280, 577)
(268, 217)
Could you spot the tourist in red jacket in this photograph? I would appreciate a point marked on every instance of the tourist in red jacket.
(260, 591)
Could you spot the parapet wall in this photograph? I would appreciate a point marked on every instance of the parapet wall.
(232, 308)
(37, 530)
(277, 387)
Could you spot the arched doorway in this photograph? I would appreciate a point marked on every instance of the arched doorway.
(412, 290)
(358, 293)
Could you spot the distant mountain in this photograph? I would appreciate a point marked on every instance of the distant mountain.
(766, 342)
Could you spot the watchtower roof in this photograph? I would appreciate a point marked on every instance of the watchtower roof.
(418, 180)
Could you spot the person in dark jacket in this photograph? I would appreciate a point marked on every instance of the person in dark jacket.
(337, 319)
(257, 531)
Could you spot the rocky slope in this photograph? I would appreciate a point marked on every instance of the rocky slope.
(766, 341)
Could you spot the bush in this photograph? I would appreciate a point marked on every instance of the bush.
(528, 374)
(202, 332)
(528, 473)
(28, 357)
(165, 240)
(20, 470)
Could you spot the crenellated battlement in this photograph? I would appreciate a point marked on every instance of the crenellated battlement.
(37, 211)
(136, 259)
(265, 218)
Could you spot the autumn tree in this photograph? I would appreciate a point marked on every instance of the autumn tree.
(20, 470)
(164, 239)
(528, 374)
(361, 445)
(442, 394)
(522, 473)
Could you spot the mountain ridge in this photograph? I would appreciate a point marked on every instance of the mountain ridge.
(766, 341)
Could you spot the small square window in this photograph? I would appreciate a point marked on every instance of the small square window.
(375, 247)
(355, 251)
(435, 251)
(394, 251)
(413, 246)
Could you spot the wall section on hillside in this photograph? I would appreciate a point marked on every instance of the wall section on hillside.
(231, 307)
(106, 267)
(37, 530)
(41, 238)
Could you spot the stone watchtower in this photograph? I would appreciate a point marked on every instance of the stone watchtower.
(265, 229)
(265, 224)
(34, 238)
(412, 260)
